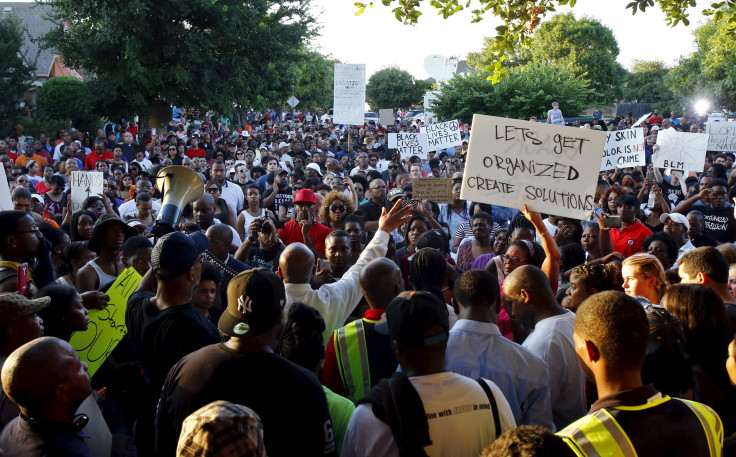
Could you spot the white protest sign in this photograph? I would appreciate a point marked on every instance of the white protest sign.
(642, 119)
(409, 144)
(349, 96)
(386, 116)
(721, 136)
(443, 135)
(551, 169)
(624, 148)
(680, 150)
(84, 184)
(6, 204)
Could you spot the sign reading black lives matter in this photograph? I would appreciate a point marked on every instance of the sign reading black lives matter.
(443, 135)
(409, 144)
(551, 169)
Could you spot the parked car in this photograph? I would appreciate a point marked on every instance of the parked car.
(370, 116)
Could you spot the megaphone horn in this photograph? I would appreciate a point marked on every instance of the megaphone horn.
(179, 186)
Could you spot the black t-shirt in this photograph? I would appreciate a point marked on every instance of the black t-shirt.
(372, 210)
(288, 399)
(719, 224)
(261, 258)
(283, 198)
(673, 194)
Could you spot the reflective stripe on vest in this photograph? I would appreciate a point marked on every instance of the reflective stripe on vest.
(352, 359)
(713, 429)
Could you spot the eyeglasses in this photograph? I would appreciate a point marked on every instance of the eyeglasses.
(513, 260)
(341, 208)
(213, 190)
(34, 229)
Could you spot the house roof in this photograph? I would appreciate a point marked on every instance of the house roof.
(32, 15)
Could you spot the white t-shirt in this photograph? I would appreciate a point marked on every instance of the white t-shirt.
(552, 341)
(459, 416)
(555, 116)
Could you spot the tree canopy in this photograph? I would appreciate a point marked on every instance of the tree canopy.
(213, 54)
(17, 71)
(522, 17)
(393, 88)
(529, 90)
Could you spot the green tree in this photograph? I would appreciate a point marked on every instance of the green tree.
(316, 81)
(393, 88)
(707, 72)
(17, 70)
(521, 18)
(585, 45)
(212, 54)
(65, 98)
(528, 90)
(645, 82)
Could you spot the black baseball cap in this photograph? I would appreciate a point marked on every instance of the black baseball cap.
(416, 319)
(176, 253)
(255, 302)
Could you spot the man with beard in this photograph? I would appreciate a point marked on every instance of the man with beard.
(230, 192)
(204, 216)
(372, 209)
(305, 228)
(278, 198)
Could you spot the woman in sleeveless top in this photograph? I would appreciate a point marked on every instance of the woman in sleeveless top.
(223, 211)
(252, 212)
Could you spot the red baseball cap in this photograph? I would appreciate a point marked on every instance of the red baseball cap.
(305, 195)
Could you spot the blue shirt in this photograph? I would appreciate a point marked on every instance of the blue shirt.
(477, 349)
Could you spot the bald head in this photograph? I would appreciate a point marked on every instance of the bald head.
(220, 232)
(380, 282)
(529, 278)
(35, 377)
(296, 264)
(206, 200)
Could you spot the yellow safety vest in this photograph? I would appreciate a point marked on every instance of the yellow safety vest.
(600, 435)
(352, 359)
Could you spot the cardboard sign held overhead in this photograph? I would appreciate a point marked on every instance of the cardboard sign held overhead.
(721, 136)
(349, 96)
(552, 169)
(624, 148)
(409, 144)
(680, 150)
(386, 116)
(439, 190)
(443, 135)
(85, 184)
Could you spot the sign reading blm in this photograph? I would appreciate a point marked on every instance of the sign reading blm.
(349, 97)
(552, 169)
(443, 135)
(680, 150)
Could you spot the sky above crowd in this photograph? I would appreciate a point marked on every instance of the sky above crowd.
(378, 40)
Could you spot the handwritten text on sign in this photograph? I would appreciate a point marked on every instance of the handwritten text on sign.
(85, 184)
(443, 135)
(106, 326)
(680, 150)
(722, 136)
(409, 144)
(551, 169)
(349, 94)
(624, 148)
(439, 190)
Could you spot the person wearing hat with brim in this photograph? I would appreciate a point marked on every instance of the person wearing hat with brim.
(288, 398)
(305, 228)
(411, 410)
(164, 326)
(677, 226)
(108, 236)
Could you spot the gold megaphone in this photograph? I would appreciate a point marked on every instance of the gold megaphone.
(179, 186)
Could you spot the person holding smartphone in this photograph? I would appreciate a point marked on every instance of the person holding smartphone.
(626, 239)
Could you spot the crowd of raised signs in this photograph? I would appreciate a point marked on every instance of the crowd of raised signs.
(310, 302)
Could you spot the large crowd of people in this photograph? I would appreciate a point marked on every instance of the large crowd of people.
(310, 303)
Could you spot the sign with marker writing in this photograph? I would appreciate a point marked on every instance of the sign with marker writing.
(106, 326)
(386, 116)
(6, 204)
(721, 136)
(349, 94)
(624, 148)
(439, 190)
(84, 184)
(409, 144)
(680, 150)
(443, 135)
(552, 169)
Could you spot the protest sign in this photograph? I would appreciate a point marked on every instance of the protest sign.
(642, 119)
(443, 135)
(386, 116)
(721, 136)
(439, 190)
(106, 326)
(349, 94)
(6, 204)
(680, 150)
(552, 169)
(624, 148)
(409, 144)
(84, 184)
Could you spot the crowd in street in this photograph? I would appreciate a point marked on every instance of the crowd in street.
(309, 302)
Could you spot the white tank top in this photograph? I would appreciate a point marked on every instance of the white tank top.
(249, 219)
(104, 277)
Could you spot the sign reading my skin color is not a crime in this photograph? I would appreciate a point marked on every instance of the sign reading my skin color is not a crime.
(551, 169)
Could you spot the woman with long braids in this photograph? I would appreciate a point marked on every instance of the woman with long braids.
(427, 273)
